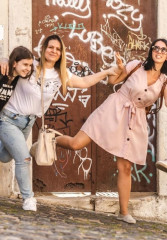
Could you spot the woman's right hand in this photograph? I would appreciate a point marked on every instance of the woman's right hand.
(4, 66)
(119, 70)
(119, 61)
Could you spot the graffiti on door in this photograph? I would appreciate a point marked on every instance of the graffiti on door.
(94, 30)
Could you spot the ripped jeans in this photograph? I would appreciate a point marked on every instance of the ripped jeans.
(14, 131)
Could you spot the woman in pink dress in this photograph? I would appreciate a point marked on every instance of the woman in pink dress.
(119, 124)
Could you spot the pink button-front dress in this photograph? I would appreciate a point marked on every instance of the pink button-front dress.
(119, 124)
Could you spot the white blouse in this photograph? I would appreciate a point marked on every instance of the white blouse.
(26, 98)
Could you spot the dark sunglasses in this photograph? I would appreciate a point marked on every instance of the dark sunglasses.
(157, 49)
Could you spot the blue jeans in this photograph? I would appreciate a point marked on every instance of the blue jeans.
(14, 131)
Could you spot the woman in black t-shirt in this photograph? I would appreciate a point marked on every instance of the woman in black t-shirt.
(20, 64)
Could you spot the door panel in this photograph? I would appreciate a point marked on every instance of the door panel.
(92, 31)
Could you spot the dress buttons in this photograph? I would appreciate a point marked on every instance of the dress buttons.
(128, 139)
(139, 98)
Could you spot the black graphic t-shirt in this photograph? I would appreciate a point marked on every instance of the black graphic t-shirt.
(6, 89)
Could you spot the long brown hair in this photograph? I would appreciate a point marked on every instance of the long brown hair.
(60, 65)
(17, 55)
(154, 111)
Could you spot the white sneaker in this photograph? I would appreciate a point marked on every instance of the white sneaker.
(126, 218)
(30, 204)
(162, 165)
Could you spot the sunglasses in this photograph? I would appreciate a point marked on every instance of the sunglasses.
(157, 49)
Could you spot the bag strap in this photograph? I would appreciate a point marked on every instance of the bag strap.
(42, 103)
(154, 111)
(43, 118)
(162, 94)
(54, 131)
(133, 70)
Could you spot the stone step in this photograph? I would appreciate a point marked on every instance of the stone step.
(148, 206)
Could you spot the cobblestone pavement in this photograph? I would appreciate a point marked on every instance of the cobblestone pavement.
(58, 222)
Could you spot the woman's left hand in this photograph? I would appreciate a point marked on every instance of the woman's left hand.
(4, 66)
(115, 74)
(119, 61)
(116, 70)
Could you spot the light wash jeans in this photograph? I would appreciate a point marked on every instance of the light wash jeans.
(14, 131)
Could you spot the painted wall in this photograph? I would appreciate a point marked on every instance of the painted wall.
(3, 28)
(6, 170)
(17, 31)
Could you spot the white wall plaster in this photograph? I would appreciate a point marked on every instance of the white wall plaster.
(16, 17)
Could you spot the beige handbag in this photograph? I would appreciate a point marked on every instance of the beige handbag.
(44, 150)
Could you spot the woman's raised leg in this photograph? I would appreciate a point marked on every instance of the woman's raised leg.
(80, 140)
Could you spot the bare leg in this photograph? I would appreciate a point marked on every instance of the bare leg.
(77, 142)
(124, 183)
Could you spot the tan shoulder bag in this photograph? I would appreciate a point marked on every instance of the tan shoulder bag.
(44, 150)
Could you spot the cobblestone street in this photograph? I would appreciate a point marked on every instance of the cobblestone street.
(52, 222)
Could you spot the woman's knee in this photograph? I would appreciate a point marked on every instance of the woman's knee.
(124, 167)
(22, 162)
(5, 160)
(80, 140)
(5, 157)
(27, 159)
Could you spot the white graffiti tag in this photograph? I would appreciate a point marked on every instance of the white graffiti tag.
(38, 48)
(96, 44)
(80, 5)
(121, 12)
(83, 160)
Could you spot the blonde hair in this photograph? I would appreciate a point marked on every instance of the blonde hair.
(60, 65)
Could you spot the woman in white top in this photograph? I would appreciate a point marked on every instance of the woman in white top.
(19, 114)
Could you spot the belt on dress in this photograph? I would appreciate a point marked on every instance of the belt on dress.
(130, 105)
(131, 112)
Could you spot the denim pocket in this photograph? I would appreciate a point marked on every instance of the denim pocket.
(13, 119)
(10, 115)
(2, 117)
(20, 121)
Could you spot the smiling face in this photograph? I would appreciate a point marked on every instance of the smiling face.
(159, 52)
(22, 67)
(53, 52)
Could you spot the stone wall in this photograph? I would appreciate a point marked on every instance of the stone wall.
(16, 19)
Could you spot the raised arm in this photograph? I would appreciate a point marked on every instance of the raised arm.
(88, 81)
(112, 73)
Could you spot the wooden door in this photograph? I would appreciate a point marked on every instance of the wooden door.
(92, 31)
